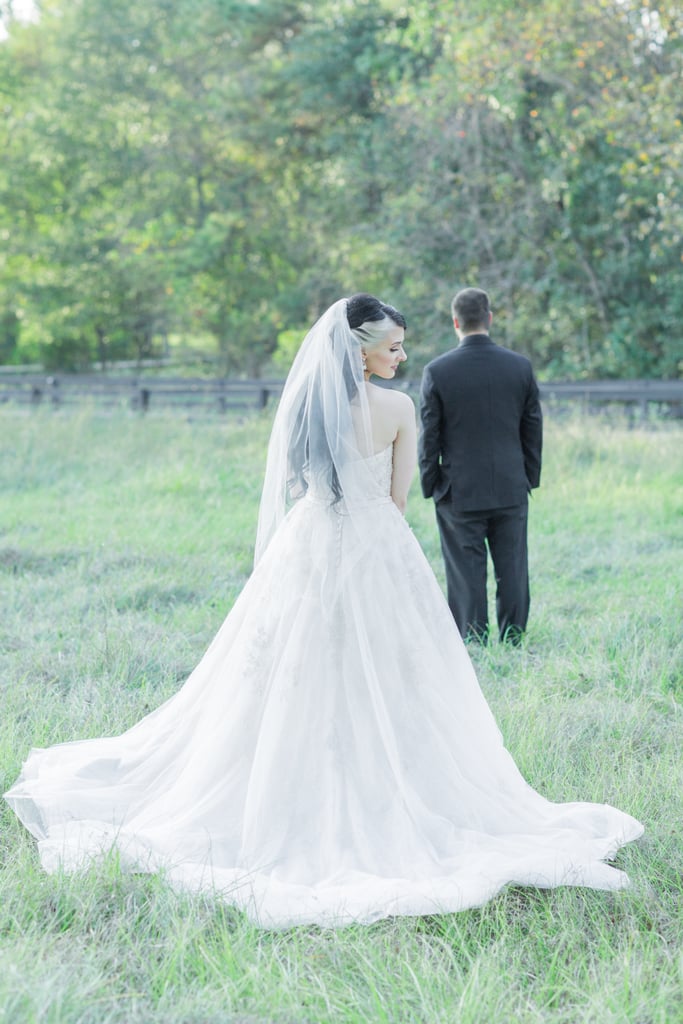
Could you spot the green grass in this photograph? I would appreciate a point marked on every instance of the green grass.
(123, 543)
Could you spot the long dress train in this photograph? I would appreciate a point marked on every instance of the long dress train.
(331, 759)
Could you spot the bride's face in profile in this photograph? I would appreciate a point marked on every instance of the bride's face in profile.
(383, 359)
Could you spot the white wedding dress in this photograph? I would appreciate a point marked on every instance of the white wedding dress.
(331, 759)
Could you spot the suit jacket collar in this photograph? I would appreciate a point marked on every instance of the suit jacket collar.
(476, 339)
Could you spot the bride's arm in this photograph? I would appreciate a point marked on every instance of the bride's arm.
(405, 449)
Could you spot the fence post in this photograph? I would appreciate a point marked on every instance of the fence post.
(141, 399)
(53, 384)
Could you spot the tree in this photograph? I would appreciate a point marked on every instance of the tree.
(226, 169)
(537, 165)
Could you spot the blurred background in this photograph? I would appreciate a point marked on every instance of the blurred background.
(193, 181)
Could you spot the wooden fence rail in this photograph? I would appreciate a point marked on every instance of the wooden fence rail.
(630, 393)
(151, 392)
(140, 393)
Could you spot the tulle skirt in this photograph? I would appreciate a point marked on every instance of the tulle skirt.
(330, 760)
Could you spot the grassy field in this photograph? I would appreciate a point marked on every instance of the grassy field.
(124, 541)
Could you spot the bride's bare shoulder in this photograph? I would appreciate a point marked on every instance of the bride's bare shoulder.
(390, 398)
(392, 412)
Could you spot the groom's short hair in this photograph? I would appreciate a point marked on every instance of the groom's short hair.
(471, 309)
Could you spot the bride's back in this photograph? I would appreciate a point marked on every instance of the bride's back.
(392, 422)
(385, 408)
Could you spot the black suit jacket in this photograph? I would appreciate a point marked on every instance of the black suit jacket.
(482, 426)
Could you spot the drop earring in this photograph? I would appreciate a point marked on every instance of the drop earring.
(364, 361)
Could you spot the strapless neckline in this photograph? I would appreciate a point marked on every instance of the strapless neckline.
(382, 451)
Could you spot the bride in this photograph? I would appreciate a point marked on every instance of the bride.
(332, 758)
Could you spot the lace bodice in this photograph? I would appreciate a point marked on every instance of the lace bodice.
(373, 481)
(382, 464)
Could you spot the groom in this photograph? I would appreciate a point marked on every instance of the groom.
(480, 455)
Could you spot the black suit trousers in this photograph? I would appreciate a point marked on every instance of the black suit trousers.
(464, 540)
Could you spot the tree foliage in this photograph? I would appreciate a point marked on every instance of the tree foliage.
(224, 169)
